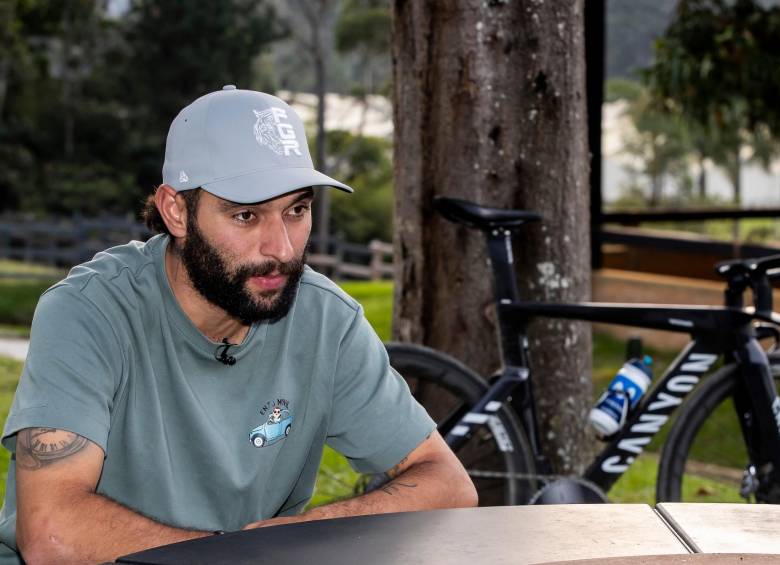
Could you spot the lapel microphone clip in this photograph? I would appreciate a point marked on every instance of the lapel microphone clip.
(221, 354)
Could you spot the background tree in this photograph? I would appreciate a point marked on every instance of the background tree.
(310, 24)
(89, 97)
(50, 112)
(717, 65)
(364, 163)
(175, 53)
(362, 34)
(489, 105)
(659, 144)
(362, 40)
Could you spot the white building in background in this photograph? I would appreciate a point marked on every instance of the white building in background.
(372, 116)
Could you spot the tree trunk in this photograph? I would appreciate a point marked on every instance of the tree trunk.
(311, 22)
(323, 196)
(702, 176)
(656, 190)
(7, 35)
(489, 106)
(736, 181)
(68, 80)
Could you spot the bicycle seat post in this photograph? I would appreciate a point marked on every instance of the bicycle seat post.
(499, 242)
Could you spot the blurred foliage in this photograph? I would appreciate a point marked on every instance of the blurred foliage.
(717, 52)
(717, 66)
(362, 36)
(176, 53)
(358, 58)
(86, 99)
(365, 164)
(621, 89)
(365, 25)
(660, 144)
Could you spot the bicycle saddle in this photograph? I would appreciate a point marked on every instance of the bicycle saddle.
(481, 217)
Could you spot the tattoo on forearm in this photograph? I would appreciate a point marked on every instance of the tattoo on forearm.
(395, 486)
(38, 447)
(395, 471)
(392, 473)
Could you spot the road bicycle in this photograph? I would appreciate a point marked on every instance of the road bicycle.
(491, 422)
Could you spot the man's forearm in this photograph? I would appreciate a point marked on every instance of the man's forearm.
(424, 486)
(87, 527)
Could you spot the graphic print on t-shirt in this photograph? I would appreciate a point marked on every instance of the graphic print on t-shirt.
(278, 419)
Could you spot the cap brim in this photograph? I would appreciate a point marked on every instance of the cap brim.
(259, 186)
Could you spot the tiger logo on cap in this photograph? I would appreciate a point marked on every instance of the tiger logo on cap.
(274, 131)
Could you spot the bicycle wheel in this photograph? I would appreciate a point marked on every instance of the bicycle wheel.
(704, 457)
(497, 456)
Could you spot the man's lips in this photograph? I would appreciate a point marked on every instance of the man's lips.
(269, 282)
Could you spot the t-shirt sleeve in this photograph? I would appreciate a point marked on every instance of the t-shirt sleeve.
(375, 421)
(72, 371)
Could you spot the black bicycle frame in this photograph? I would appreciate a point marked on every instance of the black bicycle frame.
(715, 332)
(709, 342)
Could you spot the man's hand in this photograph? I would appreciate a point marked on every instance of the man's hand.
(60, 518)
(429, 477)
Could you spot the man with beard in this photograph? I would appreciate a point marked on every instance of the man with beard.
(145, 414)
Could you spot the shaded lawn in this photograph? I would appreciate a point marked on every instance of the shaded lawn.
(10, 370)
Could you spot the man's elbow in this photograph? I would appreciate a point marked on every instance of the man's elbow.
(461, 492)
(39, 540)
(468, 493)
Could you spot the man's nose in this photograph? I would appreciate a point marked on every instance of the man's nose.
(276, 242)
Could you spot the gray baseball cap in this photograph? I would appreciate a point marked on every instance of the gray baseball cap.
(241, 145)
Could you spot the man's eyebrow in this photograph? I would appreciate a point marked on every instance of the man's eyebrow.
(308, 193)
(227, 205)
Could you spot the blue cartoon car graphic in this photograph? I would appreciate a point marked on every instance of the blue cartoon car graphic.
(276, 428)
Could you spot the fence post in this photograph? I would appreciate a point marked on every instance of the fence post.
(338, 253)
(376, 259)
(80, 238)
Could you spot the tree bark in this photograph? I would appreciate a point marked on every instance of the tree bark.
(489, 106)
(702, 181)
(656, 189)
(323, 200)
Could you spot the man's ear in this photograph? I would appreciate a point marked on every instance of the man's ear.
(173, 210)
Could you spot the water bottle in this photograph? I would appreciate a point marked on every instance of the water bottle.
(622, 395)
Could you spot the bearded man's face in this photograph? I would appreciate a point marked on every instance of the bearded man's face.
(249, 291)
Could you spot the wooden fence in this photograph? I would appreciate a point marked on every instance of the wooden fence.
(63, 243)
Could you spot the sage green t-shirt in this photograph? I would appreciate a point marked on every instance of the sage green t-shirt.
(113, 358)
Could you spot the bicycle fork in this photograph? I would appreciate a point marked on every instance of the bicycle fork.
(485, 409)
(758, 410)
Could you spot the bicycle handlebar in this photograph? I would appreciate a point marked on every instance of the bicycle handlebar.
(754, 273)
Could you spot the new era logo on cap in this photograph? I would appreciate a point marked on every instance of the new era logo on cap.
(240, 145)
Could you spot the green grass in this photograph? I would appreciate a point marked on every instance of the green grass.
(22, 267)
(18, 300)
(377, 300)
(14, 330)
(18, 296)
(9, 376)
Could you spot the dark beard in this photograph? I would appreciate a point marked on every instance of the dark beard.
(211, 277)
